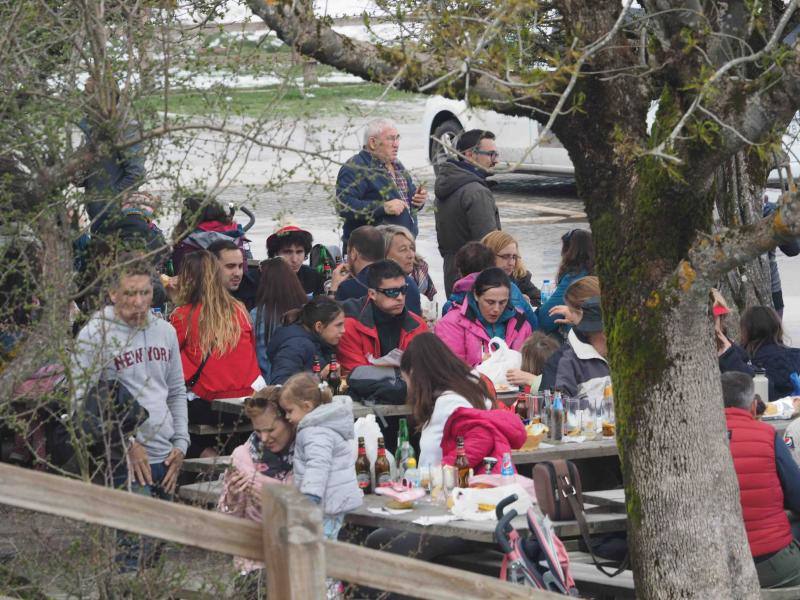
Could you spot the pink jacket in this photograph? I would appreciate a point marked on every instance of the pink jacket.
(241, 505)
(485, 433)
(467, 338)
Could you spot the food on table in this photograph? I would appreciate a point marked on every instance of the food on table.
(575, 431)
(536, 432)
(608, 429)
(772, 409)
(397, 505)
(486, 507)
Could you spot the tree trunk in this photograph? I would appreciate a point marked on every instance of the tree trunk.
(687, 537)
(738, 198)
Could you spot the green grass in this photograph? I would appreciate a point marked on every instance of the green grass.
(275, 103)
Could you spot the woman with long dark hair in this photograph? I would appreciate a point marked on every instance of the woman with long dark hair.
(279, 291)
(438, 383)
(577, 261)
(311, 332)
(485, 313)
(762, 339)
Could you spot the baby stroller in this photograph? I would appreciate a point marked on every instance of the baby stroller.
(540, 561)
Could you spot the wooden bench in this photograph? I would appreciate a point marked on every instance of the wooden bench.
(213, 465)
(790, 593)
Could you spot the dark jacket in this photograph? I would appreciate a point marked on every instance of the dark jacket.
(735, 359)
(313, 282)
(362, 186)
(292, 349)
(550, 369)
(111, 174)
(465, 212)
(357, 288)
(779, 362)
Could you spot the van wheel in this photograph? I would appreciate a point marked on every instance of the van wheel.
(447, 133)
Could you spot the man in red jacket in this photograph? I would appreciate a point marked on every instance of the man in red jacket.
(380, 324)
(769, 481)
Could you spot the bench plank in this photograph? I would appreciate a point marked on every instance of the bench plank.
(205, 492)
(215, 464)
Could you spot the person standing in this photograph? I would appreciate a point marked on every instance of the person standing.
(373, 187)
(465, 206)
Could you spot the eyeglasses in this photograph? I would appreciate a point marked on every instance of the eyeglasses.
(393, 292)
(509, 257)
(489, 153)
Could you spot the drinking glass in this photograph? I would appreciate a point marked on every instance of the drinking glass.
(535, 406)
(574, 416)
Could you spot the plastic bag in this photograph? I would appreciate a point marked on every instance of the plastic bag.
(477, 504)
(501, 359)
(368, 428)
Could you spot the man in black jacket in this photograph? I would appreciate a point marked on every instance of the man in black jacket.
(465, 206)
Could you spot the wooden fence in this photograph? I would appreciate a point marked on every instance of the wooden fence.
(289, 541)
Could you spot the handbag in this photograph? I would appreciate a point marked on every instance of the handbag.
(560, 496)
(192, 381)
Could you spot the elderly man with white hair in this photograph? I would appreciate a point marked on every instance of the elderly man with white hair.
(374, 188)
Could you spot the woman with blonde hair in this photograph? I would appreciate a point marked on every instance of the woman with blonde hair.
(400, 246)
(508, 258)
(216, 340)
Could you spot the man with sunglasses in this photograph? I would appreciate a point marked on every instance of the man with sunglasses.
(465, 206)
(379, 323)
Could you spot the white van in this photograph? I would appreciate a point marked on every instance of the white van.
(445, 119)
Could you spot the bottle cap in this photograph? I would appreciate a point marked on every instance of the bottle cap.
(411, 463)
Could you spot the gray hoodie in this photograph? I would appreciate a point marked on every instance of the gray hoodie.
(147, 361)
(323, 459)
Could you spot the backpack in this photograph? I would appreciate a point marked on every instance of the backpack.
(324, 256)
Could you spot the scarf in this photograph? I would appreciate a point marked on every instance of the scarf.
(277, 466)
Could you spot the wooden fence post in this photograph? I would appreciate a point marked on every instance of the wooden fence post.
(294, 552)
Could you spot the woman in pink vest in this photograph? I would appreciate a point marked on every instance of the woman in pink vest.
(484, 314)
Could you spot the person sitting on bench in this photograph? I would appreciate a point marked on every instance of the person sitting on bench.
(769, 482)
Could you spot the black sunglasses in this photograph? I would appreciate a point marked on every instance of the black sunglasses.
(393, 292)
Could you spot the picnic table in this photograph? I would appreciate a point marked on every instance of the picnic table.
(478, 531)
(236, 406)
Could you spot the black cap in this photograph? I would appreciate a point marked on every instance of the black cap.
(592, 320)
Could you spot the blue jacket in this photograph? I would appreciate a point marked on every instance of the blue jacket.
(464, 285)
(111, 174)
(292, 349)
(357, 288)
(779, 362)
(362, 186)
(546, 322)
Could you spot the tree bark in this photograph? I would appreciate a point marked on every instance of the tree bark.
(686, 534)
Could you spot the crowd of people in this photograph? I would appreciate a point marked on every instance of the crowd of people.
(272, 333)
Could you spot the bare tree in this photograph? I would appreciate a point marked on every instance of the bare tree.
(727, 86)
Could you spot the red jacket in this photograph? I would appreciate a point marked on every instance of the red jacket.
(361, 335)
(485, 433)
(228, 375)
(752, 445)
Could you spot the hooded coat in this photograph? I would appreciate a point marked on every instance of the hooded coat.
(323, 458)
(485, 433)
(465, 285)
(292, 349)
(465, 212)
(463, 332)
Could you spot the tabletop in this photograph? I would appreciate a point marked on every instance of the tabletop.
(478, 531)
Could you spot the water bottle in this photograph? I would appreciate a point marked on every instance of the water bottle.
(795, 379)
(547, 290)
(761, 385)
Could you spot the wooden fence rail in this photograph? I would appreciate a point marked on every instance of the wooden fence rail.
(289, 542)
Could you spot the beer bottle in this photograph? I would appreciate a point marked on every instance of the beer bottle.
(334, 375)
(362, 468)
(402, 436)
(315, 367)
(522, 405)
(383, 471)
(327, 272)
(462, 464)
